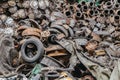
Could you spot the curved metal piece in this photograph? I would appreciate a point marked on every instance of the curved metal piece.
(31, 32)
(52, 30)
(71, 33)
(62, 29)
(52, 74)
(35, 23)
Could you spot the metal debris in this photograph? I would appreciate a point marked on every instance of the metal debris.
(59, 39)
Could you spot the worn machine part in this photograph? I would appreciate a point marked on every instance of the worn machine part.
(91, 4)
(49, 61)
(89, 20)
(35, 23)
(91, 13)
(117, 6)
(78, 15)
(79, 6)
(52, 74)
(116, 18)
(53, 48)
(91, 45)
(109, 4)
(39, 46)
(118, 12)
(71, 33)
(54, 31)
(67, 45)
(52, 68)
(31, 32)
(83, 3)
(62, 29)
(68, 13)
(84, 8)
(88, 77)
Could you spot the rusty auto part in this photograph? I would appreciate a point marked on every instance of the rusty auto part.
(31, 32)
(68, 13)
(62, 29)
(88, 77)
(91, 46)
(79, 34)
(51, 62)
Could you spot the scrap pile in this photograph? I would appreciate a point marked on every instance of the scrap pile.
(59, 39)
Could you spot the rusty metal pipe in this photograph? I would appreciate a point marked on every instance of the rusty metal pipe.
(118, 1)
(106, 12)
(99, 7)
(118, 12)
(91, 12)
(116, 18)
(102, 15)
(96, 12)
(79, 6)
(109, 4)
(78, 15)
(117, 6)
(71, 7)
(83, 3)
(111, 11)
(84, 8)
(91, 4)
(68, 13)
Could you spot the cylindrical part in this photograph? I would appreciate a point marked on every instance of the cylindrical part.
(118, 12)
(111, 11)
(91, 4)
(79, 5)
(118, 1)
(79, 14)
(99, 7)
(117, 6)
(68, 13)
(109, 4)
(116, 18)
(83, 3)
(96, 12)
(84, 8)
(91, 12)
(102, 15)
(106, 12)
(71, 7)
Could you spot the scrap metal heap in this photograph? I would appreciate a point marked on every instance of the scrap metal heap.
(59, 39)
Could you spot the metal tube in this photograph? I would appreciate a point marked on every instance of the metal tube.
(84, 8)
(116, 18)
(111, 11)
(78, 15)
(83, 3)
(106, 12)
(109, 4)
(91, 4)
(118, 1)
(117, 6)
(91, 12)
(68, 13)
(118, 12)
(79, 5)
